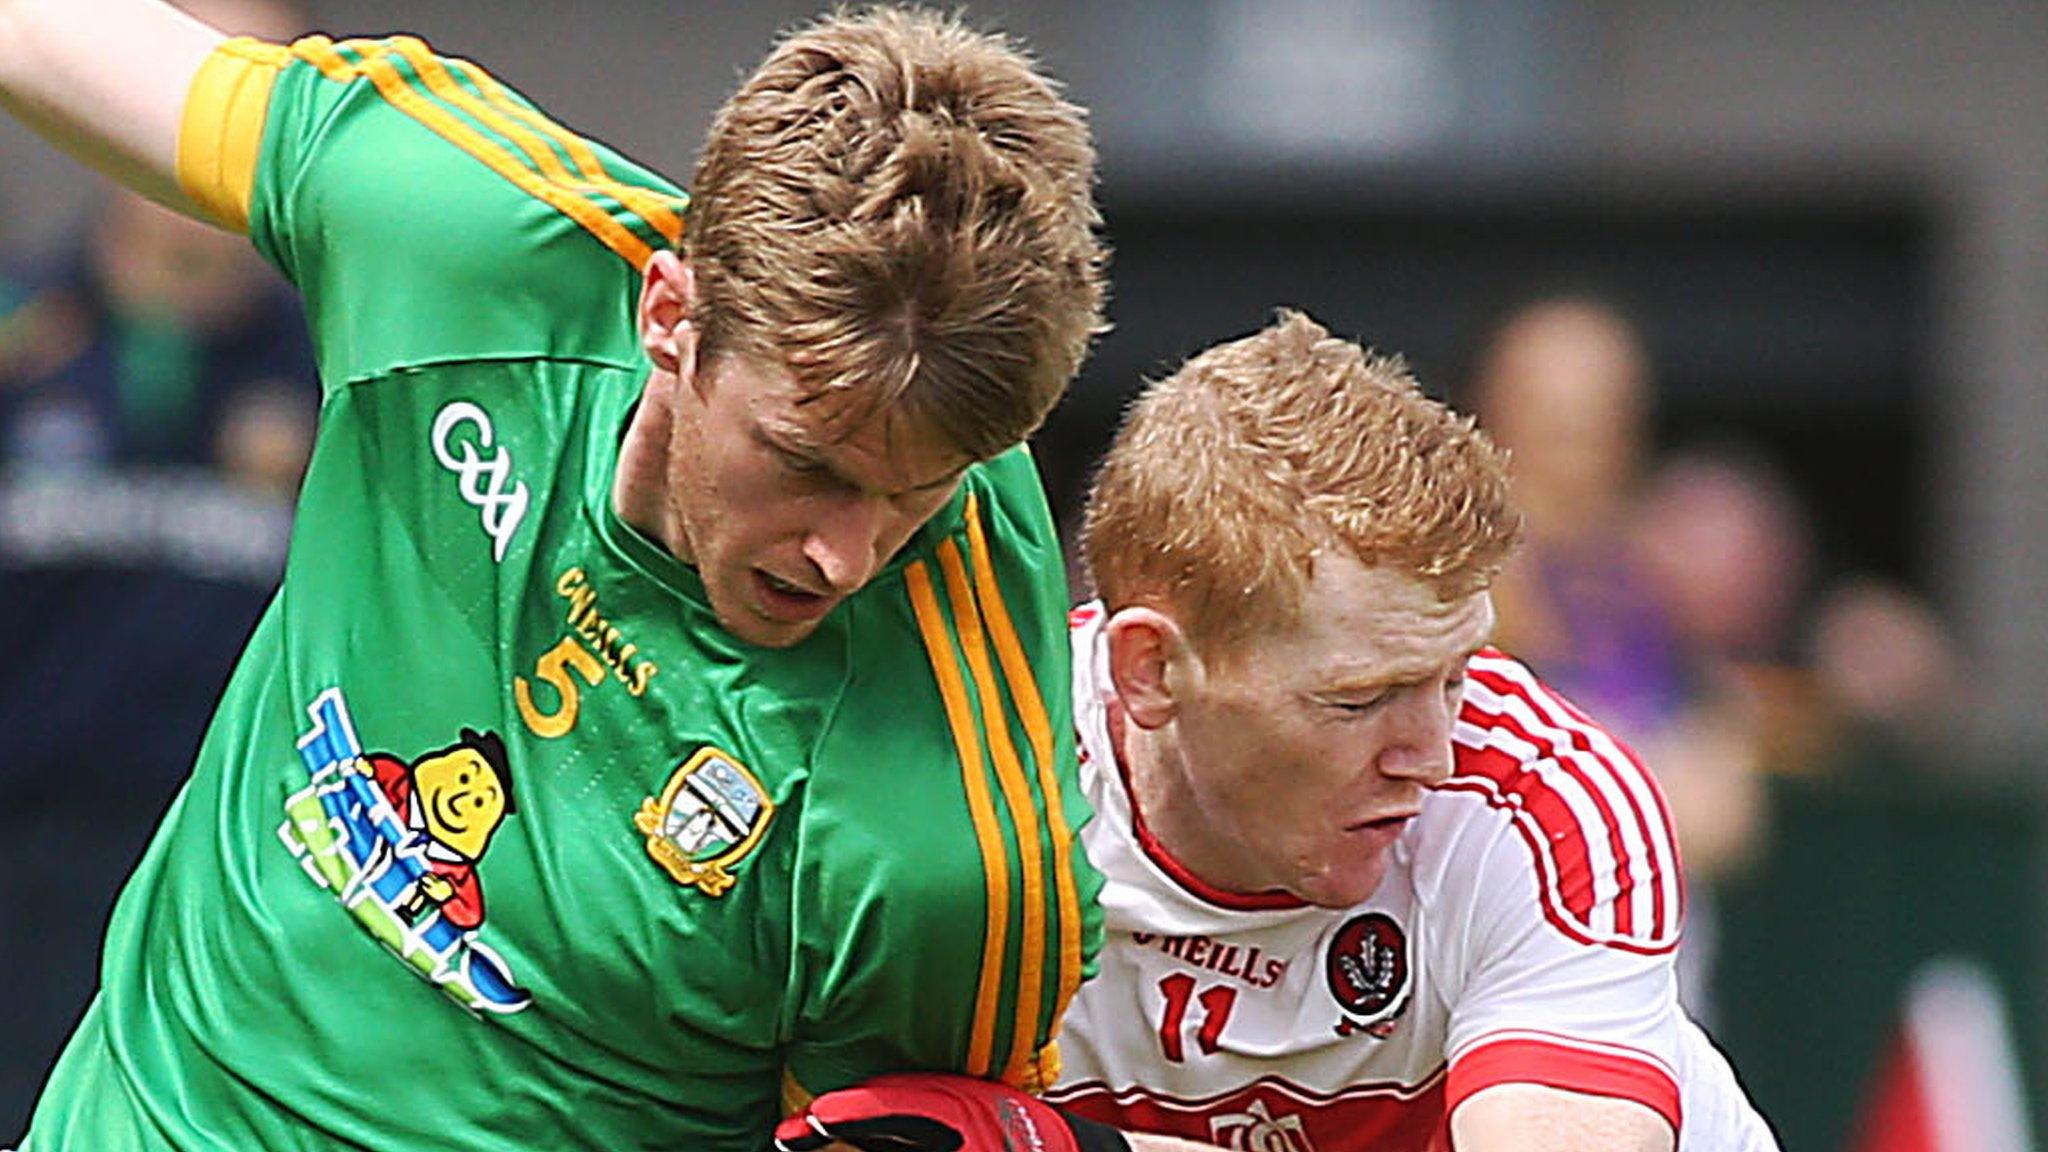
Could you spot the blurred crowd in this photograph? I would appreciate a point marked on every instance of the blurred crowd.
(157, 405)
(1679, 596)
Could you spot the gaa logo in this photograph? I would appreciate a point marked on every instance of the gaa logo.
(1367, 967)
(486, 481)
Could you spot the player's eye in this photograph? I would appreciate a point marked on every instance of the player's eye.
(794, 462)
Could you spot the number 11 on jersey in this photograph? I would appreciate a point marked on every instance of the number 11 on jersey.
(1216, 1001)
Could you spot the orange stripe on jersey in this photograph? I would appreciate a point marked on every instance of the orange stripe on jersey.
(1038, 729)
(400, 93)
(988, 835)
(795, 1097)
(220, 134)
(1024, 817)
(495, 114)
(320, 52)
(658, 209)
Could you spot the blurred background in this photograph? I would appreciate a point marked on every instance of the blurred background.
(1757, 293)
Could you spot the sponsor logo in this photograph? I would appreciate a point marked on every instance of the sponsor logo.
(1256, 1129)
(398, 842)
(483, 479)
(1020, 1131)
(1247, 963)
(711, 813)
(1368, 972)
(600, 635)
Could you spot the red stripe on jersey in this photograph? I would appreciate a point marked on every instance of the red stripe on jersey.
(1272, 1114)
(1636, 783)
(1565, 720)
(1559, 846)
(1553, 812)
(1623, 796)
(1607, 1071)
(1546, 880)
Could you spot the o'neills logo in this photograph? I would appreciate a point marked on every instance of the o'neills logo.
(1367, 967)
(1020, 1134)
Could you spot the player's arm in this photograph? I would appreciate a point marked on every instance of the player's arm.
(105, 80)
(1536, 1118)
(1564, 1030)
(940, 1112)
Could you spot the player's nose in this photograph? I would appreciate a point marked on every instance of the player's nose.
(1418, 746)
(846, 543)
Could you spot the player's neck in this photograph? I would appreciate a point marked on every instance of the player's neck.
(1169, 813)
(640, 483)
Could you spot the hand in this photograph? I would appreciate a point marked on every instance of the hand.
(934, 1112)
(436, 887)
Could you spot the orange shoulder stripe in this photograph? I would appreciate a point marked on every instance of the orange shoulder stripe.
(400, 93)
(1016, 788)
(931, 625)
(657, 208)
(496, 113)
(1038, 729)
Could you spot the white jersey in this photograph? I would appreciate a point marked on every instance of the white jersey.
(1524, 933)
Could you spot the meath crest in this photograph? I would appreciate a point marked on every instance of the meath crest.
(710, 814)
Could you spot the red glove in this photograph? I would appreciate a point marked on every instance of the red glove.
(934, 1112)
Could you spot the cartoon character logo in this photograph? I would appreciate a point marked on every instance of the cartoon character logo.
(398, 841)
(710, 814)
(452, 800)
(1367, 969)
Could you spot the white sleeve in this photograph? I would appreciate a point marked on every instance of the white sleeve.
(1532, 1004)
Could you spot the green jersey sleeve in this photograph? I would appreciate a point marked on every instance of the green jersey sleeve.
(426, 212)
(955, 937)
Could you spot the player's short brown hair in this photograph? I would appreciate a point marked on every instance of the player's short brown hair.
(899, 210)
(1228, 476)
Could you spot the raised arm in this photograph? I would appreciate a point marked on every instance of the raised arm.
(106, 81)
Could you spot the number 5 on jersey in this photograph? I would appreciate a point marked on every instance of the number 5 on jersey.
(553, 667)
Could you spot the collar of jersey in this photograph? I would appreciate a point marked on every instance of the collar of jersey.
(1270, 900)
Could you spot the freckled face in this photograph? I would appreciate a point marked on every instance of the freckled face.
(783, 518)
(1302, 756)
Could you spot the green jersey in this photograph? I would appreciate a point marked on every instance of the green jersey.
(498, 840)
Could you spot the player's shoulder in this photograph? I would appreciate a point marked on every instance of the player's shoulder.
(989, 564)
(1591, 820)
(428, 212)
(1009, 497)
(1509, 717)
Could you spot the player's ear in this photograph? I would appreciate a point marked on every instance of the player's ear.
(668, 300)
(1146, 650)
